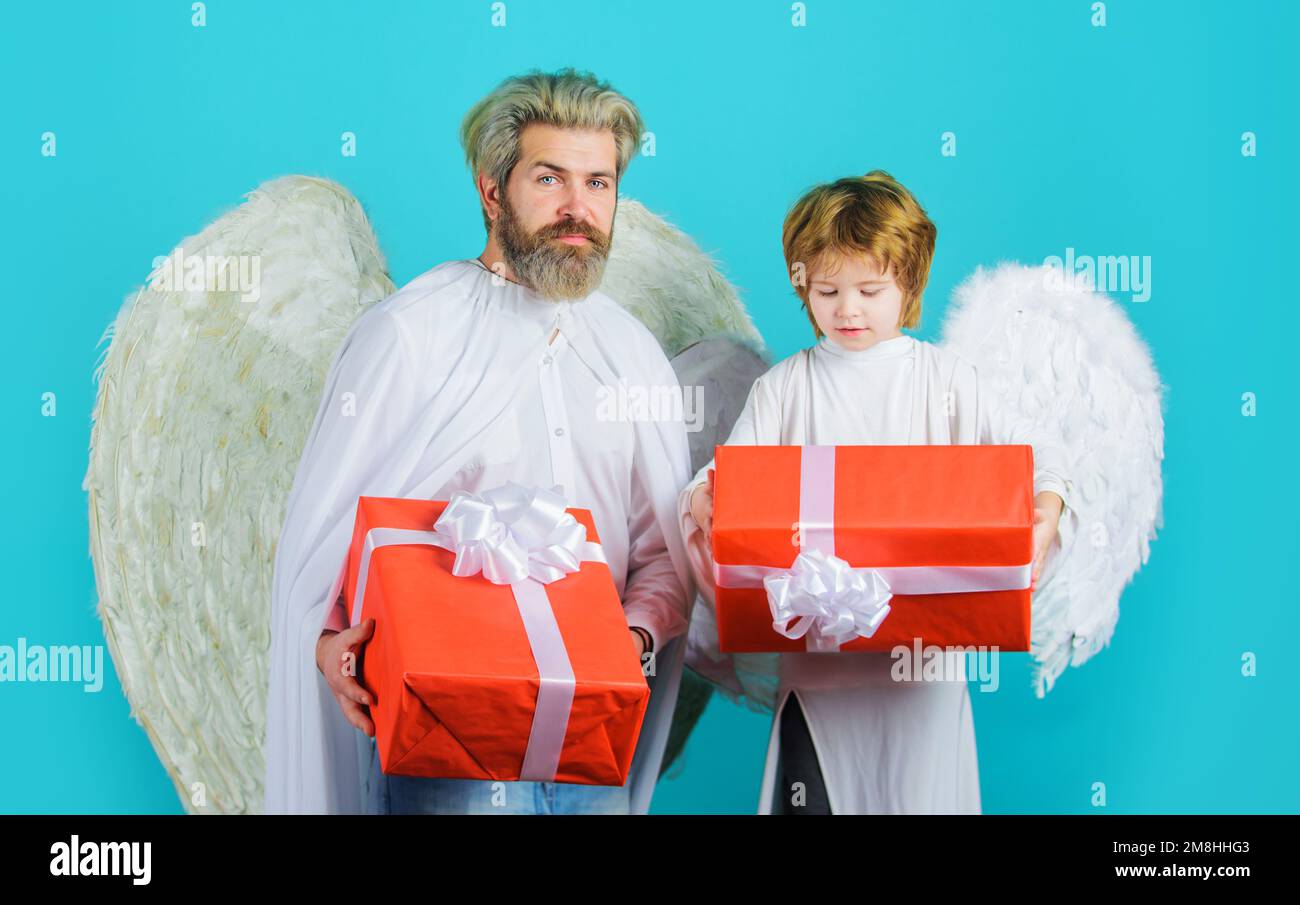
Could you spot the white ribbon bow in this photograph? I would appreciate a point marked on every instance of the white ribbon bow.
(511, 533)
(829, 600)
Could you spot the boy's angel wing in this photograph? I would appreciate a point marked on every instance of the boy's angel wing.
(1067, 357)
(204, 403)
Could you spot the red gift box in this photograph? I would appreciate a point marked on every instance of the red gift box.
(457, 662)
(939, 538)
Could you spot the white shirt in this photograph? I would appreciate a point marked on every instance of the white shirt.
(554, 434)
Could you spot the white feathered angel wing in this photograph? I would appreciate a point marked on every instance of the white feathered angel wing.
(204, 404)
(1069, 358)
(660, 275)
(717, 373)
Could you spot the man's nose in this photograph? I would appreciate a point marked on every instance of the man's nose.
(572, 205)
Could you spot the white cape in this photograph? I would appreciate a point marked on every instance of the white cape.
(433, 365)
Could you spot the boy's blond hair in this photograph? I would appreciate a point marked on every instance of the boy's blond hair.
(567, 99)
(871, 215)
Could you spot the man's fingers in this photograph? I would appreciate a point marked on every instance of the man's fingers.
(354, 690)
(344, 681)
(360, 632)
(357, 716)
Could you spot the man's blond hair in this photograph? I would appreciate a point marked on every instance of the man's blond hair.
(567, 99)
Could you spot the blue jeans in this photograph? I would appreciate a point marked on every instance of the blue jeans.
(421, 795)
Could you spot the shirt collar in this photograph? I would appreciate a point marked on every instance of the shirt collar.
(879, 351)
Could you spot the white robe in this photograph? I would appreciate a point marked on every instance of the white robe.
(884, 747)
(424, 384)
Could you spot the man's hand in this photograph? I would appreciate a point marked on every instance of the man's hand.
(337, 654)
(702, 508)
(1047, 513)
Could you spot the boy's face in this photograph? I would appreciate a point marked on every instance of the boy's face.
(856, 306)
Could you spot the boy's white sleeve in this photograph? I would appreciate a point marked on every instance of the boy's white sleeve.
(743, 678)
(758, 424)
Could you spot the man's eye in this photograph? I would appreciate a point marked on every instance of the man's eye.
(547, 176)
(598, 183)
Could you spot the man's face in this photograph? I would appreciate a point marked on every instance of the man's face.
(557, 212)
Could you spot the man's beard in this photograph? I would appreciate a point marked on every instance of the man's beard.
(553, 269)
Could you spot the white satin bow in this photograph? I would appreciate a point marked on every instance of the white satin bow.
(510, 533)
(830, 601)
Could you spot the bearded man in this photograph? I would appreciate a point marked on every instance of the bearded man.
(478, 372)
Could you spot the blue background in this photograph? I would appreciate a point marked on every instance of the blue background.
(1117, 140)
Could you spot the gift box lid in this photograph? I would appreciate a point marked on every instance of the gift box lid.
(893, 505)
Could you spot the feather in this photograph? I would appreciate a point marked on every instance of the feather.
(203, 406)
(722, 369)
(658, 274)
(1069, 358)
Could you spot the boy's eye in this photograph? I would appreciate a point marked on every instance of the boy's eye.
(871, 293)
(827, 291)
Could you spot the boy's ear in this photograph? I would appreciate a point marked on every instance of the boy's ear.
(798, 275)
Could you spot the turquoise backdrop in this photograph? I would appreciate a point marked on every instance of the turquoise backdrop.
(1117, 139)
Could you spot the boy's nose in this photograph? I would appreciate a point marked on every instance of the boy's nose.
(846, 309)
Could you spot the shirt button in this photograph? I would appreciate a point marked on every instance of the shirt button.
(559, 432)
(546, 360)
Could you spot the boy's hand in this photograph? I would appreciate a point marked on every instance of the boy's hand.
(337, 654)
(1047, 513)
(702, 508)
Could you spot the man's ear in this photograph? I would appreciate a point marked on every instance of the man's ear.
(489, 196)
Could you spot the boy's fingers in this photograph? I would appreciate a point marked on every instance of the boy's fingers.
(1038, 566)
